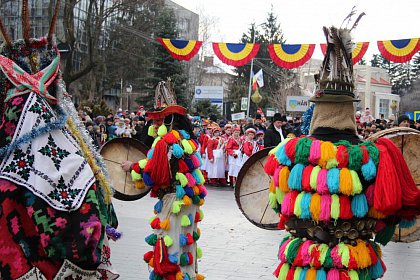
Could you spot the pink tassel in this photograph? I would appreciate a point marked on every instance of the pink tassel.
(336, 257)
(325, 208)
(281, 255)
(315, 152)
(202, 189)
(191, 180)
(195, 161)
(321, 182)
(333, 274)
(276, 176)
(285, 206)
(306, 257)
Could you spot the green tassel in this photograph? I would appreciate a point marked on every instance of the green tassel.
(373, 152)
(151, 132)
(201, 214)
(344, 252)
(155, 142)
(323, 248)
(200, 175)
(183, 260)
(364, 274)
(196, 236)
(162, 130)
(353, 275)
(335, 206)
(355, 158)
(199, 253)
(357, 185)
(142, 163)
(314, 176)
(187, 147)
(151, 239)
(385, 235)
(298, 209)
(280, 196)
(181, 178)
(135, 176)
(292, 249)
(185, 221)
(168, 241)
(196, 199)
(298, 272)
(176, 206)
(331, 163)
(272, 201)
(303, 146)
(284, 270)
(328, 262)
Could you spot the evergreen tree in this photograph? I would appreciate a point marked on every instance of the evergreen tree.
(163, 66)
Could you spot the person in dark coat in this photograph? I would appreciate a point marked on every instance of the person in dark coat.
(276, 132)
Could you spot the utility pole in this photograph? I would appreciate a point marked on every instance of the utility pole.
(250, 80)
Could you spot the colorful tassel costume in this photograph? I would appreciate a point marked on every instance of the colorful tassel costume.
(173, 173)
(333, 199)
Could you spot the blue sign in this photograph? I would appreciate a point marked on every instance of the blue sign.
(410, 115)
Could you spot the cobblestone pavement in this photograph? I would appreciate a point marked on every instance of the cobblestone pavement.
(233, 248)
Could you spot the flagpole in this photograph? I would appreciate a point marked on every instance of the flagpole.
(250, 81)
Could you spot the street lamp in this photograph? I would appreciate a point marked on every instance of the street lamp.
(128, 89)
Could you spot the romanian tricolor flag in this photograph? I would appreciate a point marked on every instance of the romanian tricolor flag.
(235, 54)
(399, 50)
(181, 49)
(357, 54)
(290, 56)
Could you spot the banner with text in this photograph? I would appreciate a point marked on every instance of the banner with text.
(297, 103)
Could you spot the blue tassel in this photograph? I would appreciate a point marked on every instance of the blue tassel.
(177, 151)
(185, 134)
(369, 170)
(295, 178)
(152, 275)
(196, 177)
(190, 164)
(282, 157)
(173, 258)
(376, 271)
(407, 223)
(190, 216)
(359, 206)
(189, 191)
(199, 158)
(182, 239)
(158, 206)
(150, 153)
(186, 276)
(179, 191)
(303, 274)
(333, 180)
(304, 204)
(147, 179)
(202, 195)
(321, 275)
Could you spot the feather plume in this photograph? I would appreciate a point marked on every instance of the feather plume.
(357, 21)
(347, 40)
(348, 17)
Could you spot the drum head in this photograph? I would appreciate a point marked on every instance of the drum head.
(116, 151)
(408, 141)
(251, 192)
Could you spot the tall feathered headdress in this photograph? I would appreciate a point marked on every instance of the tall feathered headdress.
(335, 81)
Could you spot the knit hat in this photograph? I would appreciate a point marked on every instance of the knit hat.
(403, 118)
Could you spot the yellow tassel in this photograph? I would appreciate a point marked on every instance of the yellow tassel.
(187, 147)
(176, 134)
(346, 183)
(199, 277)
(187, 200)
(193, 145)
(373, 213)
(201, 202)
(165, 224)
(363, 259)
(283, 178)
(198, 231)
(139, 185)
(272, 188)
(315, 207)
(327, 153)
(179, 275)
(311, 274)
(196, 190)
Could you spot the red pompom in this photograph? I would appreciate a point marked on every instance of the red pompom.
(271, 165)
(306, 178)
(155, 224)
(342, 156)
(345, 207)
(190, 258)
(190, 239)
(289, 148)
(148, 256)
(170, 139)
(183, 167)
(197, 217)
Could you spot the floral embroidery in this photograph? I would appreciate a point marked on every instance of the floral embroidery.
(55, 153)
(63, 193)
(17, 101)
(21, 164)
(85, 208)
(42, 110)
(10, 128)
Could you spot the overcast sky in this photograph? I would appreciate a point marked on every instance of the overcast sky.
(302, 20)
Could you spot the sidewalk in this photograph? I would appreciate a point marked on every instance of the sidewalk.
(233, 248)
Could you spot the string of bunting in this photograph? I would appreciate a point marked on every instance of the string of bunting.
(287, 55)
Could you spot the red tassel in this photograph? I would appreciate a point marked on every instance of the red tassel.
(289, 148)
(271, 165)
(155, 224)
(298, 259)
(345, 207)
(344, 275)
(342, 156)
(282, 222)
(387, 195)
(158, 165)
(190, 239)
(136, 167)
(183, 167)
(161, 263)
(370, 193)
(315, 255)
(352, 263)
(277, 271)
(291, 273)
(197, 217)
(190, 258)
(170, 139)
(365, 154)
(306, 178)
(293, 196)
(372, 254)
(148, 256)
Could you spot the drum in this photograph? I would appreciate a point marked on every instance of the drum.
(408, 141)
(114, 152)
(251, 192)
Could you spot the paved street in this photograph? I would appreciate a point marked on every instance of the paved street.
(233, 248)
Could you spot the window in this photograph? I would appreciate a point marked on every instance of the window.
(384, 107)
